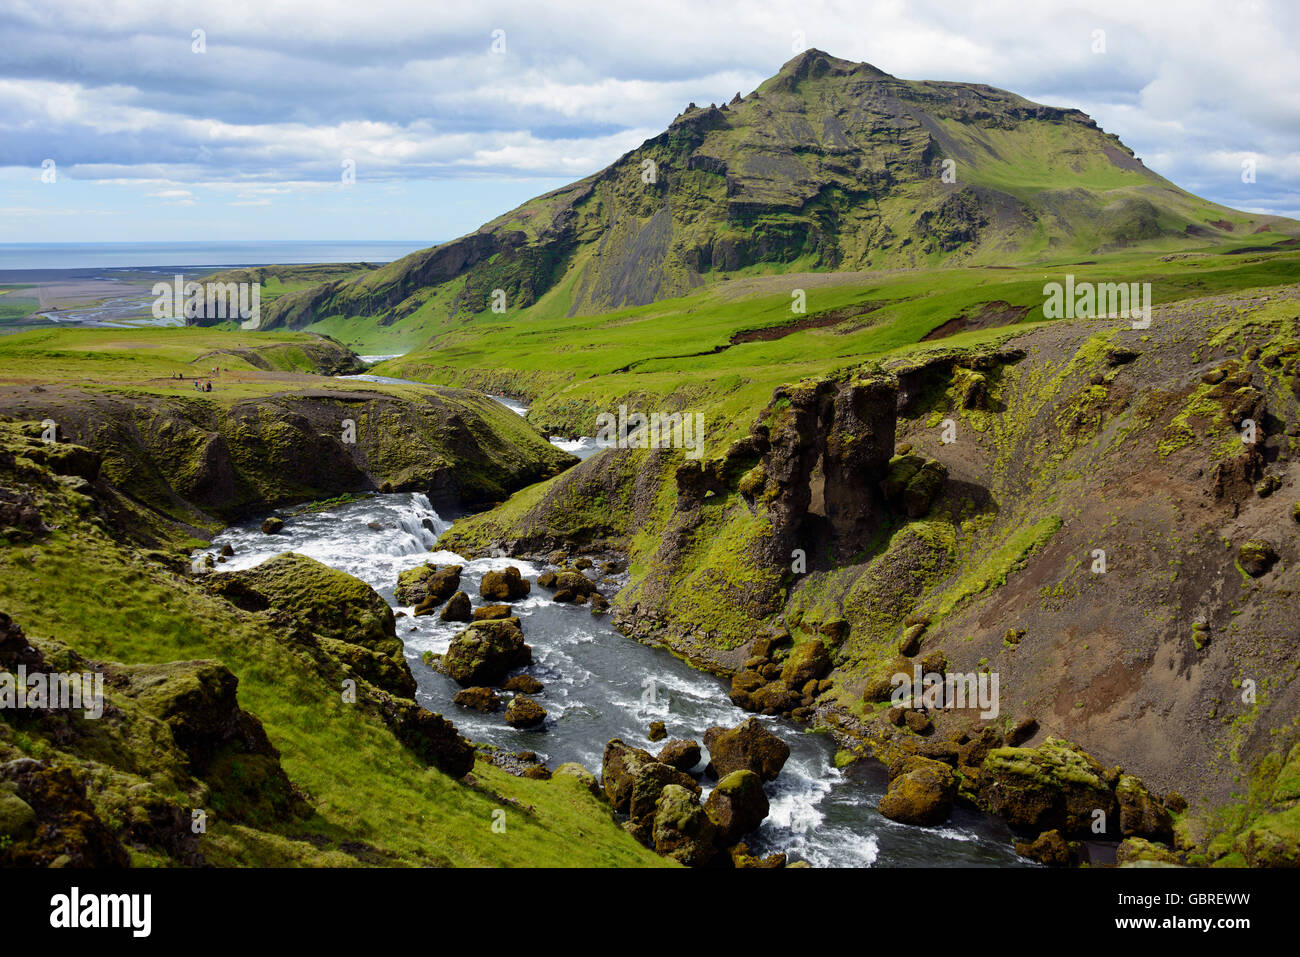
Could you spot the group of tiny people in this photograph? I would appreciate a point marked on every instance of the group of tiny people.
(198, 385)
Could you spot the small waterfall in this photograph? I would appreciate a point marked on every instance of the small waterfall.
(421, 524)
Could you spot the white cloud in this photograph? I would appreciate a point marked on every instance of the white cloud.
(410, 91)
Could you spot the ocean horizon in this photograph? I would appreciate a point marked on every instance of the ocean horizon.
(60, 256)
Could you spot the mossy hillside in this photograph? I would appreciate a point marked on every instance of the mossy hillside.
(266, 438)
(363, 786)
(1260, 828)
(1062, 457)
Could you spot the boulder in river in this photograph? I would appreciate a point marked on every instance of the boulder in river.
(1049, 848)
(427, 587)
(506, 585)
(922, 794)
(682, 755)
(524, 712)
(649, 783)
(633, 780)
(571, 586)
(272, 525)
(458, 608)
(489, 612)
(736, 806)
(749, 746)
(525, 683)
(618, 771)
(657, 731)
(484, 652)
(479, 698)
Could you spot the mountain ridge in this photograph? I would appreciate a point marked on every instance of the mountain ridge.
(828, 165)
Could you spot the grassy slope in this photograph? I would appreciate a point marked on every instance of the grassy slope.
(570, 367)
(363, 784)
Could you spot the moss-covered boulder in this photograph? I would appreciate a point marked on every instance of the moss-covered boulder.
(913, 483)
(649, 783)
(682, 830)
(427, 586)
(736, 806)
(742, 857)
(1256, 557)
(1141, 814)
(922, 794)
(523, 683)
(1139, 852)
(506, 585)
(1054, 786)
(618, 771)
(430, 736)
(1048, 848)
(572, 771)
(807, 661)
(633, 780)
(458, 608)
(572, 586)
(197, 701)
(341, 616)
(682, 755)
(17, 819)
(747, 747)
(484, 652)
(479, 698)
(524, 712)
(48, 819)
(910, 642)
(272, 526)
(924, 488)
(490, 612)
(329, 602)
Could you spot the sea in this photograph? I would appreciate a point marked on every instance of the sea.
(78, 256)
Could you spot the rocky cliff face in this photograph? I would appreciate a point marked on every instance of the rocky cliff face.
(829, 164)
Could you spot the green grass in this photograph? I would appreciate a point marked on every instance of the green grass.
(363, 784)
(677, 351)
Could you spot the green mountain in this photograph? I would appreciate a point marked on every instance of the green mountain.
(829, 165)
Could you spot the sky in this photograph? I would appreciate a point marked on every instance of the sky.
(167, 121)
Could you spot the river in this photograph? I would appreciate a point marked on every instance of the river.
(597, 683)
